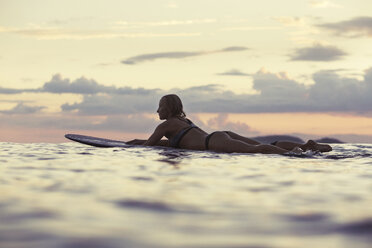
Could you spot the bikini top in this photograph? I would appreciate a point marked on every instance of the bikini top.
(175, 141)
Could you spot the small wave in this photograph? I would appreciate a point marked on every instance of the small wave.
(314, 171)
(21, 236)
(170, 161)
(155, 206)
(23, 216)
(85, 153)
(309, 217)
(245, 177)
(145, 205)
(362, 227)
(231, 246)
(348, 156)
(142, 178)
(46, 158)
(92, 242)
(261, 189)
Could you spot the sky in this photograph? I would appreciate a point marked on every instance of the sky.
(300, 67)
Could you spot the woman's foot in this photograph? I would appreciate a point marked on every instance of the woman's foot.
(312, 145)
(297, 150)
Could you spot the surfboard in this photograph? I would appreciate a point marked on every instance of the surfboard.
(94, 141)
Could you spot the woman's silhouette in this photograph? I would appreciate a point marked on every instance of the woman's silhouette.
(182, 133)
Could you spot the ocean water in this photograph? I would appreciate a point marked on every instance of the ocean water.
(71, 195)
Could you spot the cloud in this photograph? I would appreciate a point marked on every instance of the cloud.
(278, 86)
(172, 5)
(58, 33)
(232, 49)
(275, 92)
(73, 29)
(177, 55)
(122, 24)
(318, 52)
(279, 93)
(82, 86)
(323, 4)
(11, 91)
(290, 21)
(250, 28)
(356, 27)
(335, 93)
(234, 72)
(22, 109)
(154, 56)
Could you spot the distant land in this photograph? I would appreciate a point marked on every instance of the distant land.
(272, 138)
(329, 140)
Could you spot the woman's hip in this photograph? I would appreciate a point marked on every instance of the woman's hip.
(214, 140)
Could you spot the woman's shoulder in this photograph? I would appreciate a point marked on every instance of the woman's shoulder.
(175, 121)
(169, 123)
(179, 120)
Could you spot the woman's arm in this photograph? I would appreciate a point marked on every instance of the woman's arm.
(136, 142)
(157, 135)
(162, 142)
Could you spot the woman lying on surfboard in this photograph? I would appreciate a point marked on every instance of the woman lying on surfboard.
(182, 133)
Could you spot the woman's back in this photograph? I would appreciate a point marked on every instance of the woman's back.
(182, 133)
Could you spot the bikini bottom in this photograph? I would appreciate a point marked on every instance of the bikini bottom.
(207, 140)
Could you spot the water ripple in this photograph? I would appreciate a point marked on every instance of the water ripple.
(362, 227)
(71, 195)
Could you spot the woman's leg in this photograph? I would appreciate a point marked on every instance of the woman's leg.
(222, 142)
(242, 138)
(310, 145)
(286, 145)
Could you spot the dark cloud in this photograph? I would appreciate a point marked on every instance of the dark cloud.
(22, 109)
(176, 55)
(154, 56)
(356, 27)
(233, 49)
(81, 86)
(9, 91)
(335, 93)
(318, 52)
(234, 72)
(86, 86)
(277, 93)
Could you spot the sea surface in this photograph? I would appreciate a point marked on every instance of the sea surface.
(71, 195)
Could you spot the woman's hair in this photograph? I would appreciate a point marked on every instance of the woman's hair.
(174, 104)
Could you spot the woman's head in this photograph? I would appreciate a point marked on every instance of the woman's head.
(170, 106)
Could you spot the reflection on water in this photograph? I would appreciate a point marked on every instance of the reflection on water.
(71, 195)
